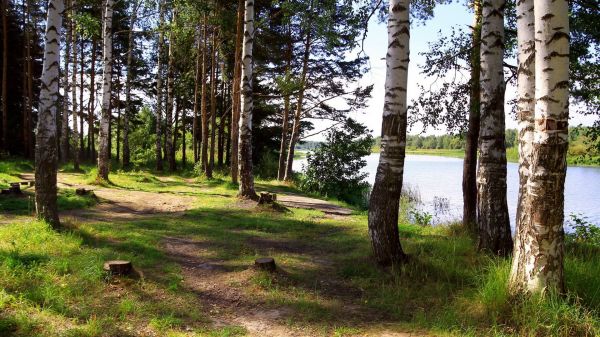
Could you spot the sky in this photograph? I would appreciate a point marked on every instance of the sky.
(445, 17)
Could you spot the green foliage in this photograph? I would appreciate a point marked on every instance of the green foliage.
(585, 231)
(334, 168)
(421, 218)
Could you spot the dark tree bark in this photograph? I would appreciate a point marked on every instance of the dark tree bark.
(204, 113)
(213, 104)
(159, 89)
(91, 147)
(469, 182)
(4, 73)
(235, 103)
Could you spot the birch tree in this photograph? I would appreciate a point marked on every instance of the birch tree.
(385, 197)
(539, 252)
(525, 117)
(128, 112)
(493, 222)
(104, 148)
(170, 98)
(45, 148)
(245, 151)
(235, 97)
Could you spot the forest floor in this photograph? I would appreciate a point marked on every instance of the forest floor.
(193, 244)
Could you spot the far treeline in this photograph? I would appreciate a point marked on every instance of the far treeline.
(583, 149)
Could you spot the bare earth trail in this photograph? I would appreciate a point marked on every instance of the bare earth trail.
(220, 286)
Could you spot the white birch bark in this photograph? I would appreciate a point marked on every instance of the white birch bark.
(492, 209)
(245, 151)
(385, 196)
(170, 150)
(128, 112)
(104, 149)
(542, 244)
(45, 145)
(525, 118)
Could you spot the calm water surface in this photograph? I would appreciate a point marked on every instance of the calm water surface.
(439, 180)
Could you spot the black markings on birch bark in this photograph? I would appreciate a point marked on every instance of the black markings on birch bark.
(104, 148)
(46, 147)
(385, 196)
(492, 209)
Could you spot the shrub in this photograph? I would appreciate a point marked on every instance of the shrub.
(334, 168)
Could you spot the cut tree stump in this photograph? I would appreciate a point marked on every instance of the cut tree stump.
(265, 263)
(118, 267)
(82, 191)
(15, 188)
(267, 198)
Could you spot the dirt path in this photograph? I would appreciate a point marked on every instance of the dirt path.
(222, 287)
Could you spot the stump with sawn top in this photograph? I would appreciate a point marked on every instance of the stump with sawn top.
(118, 267)
(265, 263)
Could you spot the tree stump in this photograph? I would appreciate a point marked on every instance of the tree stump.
(118, 267)
(15, 188)
(265, 263)
(267, 198)
(82, 191)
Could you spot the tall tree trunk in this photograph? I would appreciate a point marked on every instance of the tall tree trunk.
(295, 136)
(104, 147)
(540, 240)
(128, 112)
(27, 82)
(195, 135)
(91, 104)
(81, 89)
(493, 222)
(222, 116)
(118, 107)
(4, 8)
(525, 117)
(245, 152)
(45, 148)
(286, 113)
(469, 180)
(161, 42)
(175, 127)
(203, 112)
(31, 149)
(385, 196)
(236, 95)
(74, 88)
(169, 113)
(213, 104)
(64, 134)
(183, 142)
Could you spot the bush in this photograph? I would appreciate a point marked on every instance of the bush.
(334, 168)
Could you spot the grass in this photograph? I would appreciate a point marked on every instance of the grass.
(52, 283)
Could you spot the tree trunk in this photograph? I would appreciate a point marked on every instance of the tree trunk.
(204, 113)
(385, 196)
(64, 139)
(118, 107)
(183, 142)
(30, 143)
(286, 113)
(298, 114)
(91, 104)
(175, 134)
(27, 82)
(169, 113)
(161, 42)
(3, 144)
(235, 103)
(469, 180)
(81, 89)
(213, 104)
(245, 154)
(45, 149)
(493, 222)
(104, 149)
(539, 251)
(195, 135)
(74, 88)
(128, 112)
(222, 116)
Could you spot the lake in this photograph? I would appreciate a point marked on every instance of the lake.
(439, 180)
